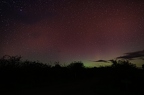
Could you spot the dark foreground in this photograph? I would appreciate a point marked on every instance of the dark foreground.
(32, 78)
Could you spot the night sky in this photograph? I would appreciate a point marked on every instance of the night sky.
(91, 31)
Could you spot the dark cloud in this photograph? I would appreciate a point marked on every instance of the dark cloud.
(101, 61)
(133, 55)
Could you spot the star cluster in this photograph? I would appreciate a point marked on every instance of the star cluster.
(71, 30)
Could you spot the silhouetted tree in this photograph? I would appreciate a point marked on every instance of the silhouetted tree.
(10, 62)
(122, 64)
(76, 68)
(143, 66)
(76, 65)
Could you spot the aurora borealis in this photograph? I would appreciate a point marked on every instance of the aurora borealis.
(71, 30)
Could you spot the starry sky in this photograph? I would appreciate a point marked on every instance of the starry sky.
(91, 31)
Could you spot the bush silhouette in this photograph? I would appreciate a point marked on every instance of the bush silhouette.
(121, 76)
(76, 65)
(122, 64)
(76, 68)
(143, 66)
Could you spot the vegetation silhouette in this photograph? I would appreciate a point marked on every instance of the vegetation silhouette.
(32, 77)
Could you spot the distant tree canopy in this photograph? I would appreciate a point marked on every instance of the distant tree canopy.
(122, 64)
(15, 71)
(76, 65)
(16, 62)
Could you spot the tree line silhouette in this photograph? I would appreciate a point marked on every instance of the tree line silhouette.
(122, 77)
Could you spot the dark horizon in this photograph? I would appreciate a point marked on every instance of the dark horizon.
(33, 78)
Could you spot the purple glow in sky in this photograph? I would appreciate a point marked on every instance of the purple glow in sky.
(71, 30)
